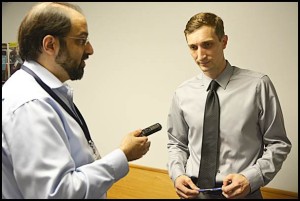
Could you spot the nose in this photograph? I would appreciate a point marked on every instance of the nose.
(89, 49)
(201, 54)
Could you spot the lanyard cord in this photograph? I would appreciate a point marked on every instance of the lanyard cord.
(81, 122)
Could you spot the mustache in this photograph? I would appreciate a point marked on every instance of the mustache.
(85, 57)
(202, 61)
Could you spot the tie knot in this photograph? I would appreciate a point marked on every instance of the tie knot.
(213, 85)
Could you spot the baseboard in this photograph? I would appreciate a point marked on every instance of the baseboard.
(147, 182)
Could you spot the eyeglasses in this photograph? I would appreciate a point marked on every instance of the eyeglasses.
(82, 41)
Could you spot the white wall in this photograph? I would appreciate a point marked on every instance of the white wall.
(141, 57)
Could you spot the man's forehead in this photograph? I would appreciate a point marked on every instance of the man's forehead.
(201, 35)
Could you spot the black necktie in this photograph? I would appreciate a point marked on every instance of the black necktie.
(209, 152)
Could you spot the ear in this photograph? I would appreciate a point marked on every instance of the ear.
(50, 45)
(224, 41)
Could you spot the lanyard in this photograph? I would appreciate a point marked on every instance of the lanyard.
(81, 122)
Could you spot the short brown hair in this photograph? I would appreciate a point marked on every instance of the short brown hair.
(208, 19)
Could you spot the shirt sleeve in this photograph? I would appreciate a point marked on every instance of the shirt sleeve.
(276, 143)
(178, 140)
(103, 173)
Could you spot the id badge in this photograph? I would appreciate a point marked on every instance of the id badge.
(95, 150)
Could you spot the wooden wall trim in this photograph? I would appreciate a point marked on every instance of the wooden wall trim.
(277, 193)
(148, 168)
(148, 182)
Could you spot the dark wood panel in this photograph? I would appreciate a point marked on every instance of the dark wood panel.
(146, 182)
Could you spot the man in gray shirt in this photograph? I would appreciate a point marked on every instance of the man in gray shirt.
(252, 139)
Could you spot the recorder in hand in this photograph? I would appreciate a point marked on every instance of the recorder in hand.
(151, 129)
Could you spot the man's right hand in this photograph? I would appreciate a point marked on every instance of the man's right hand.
(185, 188)
(133, 146)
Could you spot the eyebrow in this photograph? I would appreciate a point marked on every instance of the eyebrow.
(84, 34)
(206, 41)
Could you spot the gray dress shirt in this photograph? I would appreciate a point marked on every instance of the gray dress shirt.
(253, 140)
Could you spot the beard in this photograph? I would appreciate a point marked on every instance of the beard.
(74, 69)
